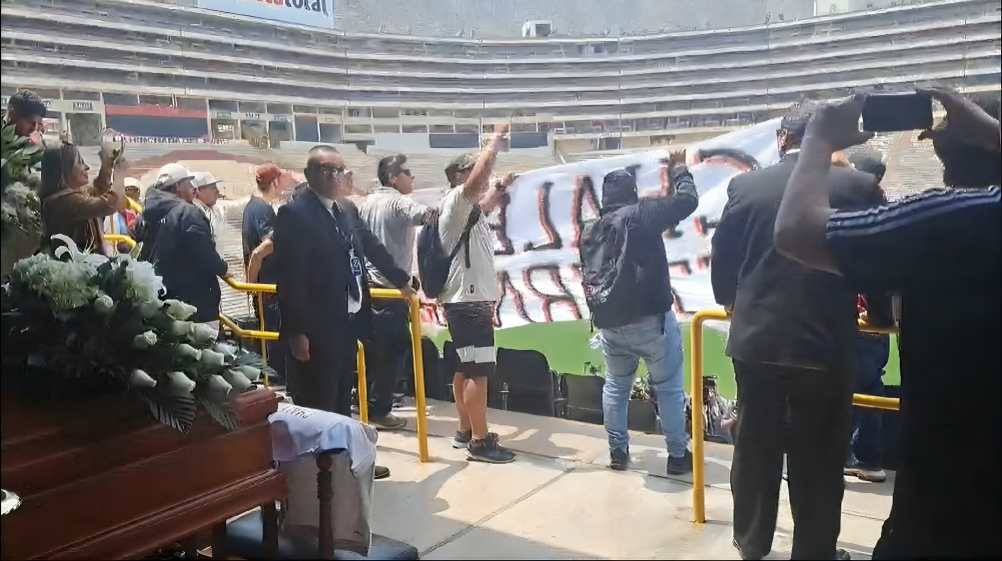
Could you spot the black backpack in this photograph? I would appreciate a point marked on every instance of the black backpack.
(608, 278)
(433, 261)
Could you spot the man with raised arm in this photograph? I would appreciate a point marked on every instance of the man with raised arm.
(941, 252)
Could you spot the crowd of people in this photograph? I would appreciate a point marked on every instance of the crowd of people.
(802, 248)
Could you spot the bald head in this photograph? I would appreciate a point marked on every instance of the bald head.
(324, 171)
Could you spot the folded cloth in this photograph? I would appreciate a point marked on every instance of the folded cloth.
(298, 431)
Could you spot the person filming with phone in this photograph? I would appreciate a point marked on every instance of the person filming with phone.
(945, 241)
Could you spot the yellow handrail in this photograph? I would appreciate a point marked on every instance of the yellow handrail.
(119, 238)
(417, 352)
(696, 382)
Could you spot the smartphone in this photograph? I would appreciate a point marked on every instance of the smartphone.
(897, 111)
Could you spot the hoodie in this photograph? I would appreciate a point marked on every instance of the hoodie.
(177, 239)
(645, 220)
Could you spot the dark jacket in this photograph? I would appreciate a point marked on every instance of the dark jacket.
(178, 241)
(314, 273)
(783, 312)
(646, 222)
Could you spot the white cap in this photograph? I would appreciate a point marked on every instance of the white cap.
(133, 182)
(204, 178)
(172, 174)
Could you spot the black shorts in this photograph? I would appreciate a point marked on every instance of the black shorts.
(471, 325)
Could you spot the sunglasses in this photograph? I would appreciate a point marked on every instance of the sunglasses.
(406, 172)
(333, 170)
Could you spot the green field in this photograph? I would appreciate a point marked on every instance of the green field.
(565, 345)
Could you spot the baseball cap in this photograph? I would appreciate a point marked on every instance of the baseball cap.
(460, 163)
(172, 174)
(204, 179)
(266, 173)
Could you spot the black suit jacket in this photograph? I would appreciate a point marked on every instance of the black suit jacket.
(783, 312)
(314, 273)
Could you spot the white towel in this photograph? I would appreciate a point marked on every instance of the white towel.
(297, 431)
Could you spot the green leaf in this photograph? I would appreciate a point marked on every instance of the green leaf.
(136, 250)
(173, 409)
(219, 412)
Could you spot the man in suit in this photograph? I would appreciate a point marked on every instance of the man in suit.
(321, 246)
(792, 343)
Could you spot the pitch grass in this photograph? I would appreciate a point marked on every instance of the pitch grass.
(565, 345)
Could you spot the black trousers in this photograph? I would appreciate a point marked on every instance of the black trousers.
(816, 442)
(325, 381)
(386, 354)
(278, 351)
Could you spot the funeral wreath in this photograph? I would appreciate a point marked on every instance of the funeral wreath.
(78, 323)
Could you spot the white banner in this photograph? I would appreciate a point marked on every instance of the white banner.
(538, 230)
(312, 13)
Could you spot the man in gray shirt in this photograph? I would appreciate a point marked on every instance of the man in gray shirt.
(393, 218)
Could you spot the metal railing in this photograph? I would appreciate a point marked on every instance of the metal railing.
(414, 306)
(119, 238)
(698, 459)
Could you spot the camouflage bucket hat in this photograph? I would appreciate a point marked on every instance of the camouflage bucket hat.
(460, 163)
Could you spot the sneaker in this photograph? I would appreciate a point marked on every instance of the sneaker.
(866, 473)
(462, 438)
(619, 459)
(381, 472)
(489, 450)
(389, 421)
(842, 555)
(679, 465)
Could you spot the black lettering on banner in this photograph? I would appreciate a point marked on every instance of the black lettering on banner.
(549, 300)
(508, 290)
(547, 222)
(704, 225)
(583, 193)
(500, 228)
(632, 170)
(680, 267)
(703, 263)
(677, 306)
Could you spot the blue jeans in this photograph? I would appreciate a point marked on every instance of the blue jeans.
(661, 348)
(868, 430)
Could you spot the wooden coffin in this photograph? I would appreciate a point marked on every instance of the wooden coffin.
(101, 480)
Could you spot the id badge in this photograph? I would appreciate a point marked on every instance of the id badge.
(355, 263)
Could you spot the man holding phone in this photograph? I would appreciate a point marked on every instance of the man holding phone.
(941, 242)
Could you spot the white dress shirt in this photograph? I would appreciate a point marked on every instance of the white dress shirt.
(354, 304)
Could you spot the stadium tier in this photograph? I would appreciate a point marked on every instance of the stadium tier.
(166, 72)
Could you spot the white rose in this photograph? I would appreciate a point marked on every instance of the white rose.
(181, 328)
(252, 373)
(219, 384)
(149, 309)
(144, 340)
(104, 304)
(140, 379)
(238, 380)
(179, 310)
(181, 382)
(202, 334)
(186, 351)
(229, 351)
(212, 359)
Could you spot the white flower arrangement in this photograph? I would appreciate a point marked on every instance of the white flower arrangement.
(82, 320)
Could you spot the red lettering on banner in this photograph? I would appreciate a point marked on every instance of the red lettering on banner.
(549, 300)
(500, 227)
(584, 192)
(680, 267)
(508, 290)
(546, 220)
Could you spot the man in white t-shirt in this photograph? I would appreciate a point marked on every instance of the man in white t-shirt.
(468, 299)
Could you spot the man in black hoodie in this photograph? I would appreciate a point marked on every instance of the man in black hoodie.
(628, 290)
(178, 241)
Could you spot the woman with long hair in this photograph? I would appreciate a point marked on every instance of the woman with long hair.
(69, 207)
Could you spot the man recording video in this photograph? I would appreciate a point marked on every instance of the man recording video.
(941, 251)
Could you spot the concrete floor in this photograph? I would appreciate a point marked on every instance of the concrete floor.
(559, 500)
